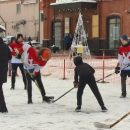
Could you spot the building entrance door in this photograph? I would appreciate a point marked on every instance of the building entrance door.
(57, 34)
(113, 32)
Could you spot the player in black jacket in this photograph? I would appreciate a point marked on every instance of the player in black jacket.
(84, 74)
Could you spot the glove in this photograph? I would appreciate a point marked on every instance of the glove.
(18, 56)
(76, 84)
(117, 70)
(34, 75)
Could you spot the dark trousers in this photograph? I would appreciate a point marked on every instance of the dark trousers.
(14, 71)
(9, 68)
(124, 74)
(37, 81)
(123, 85)
(3, 107)
(93, 86)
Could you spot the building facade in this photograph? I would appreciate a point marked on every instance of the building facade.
(22, 16)
(104, 21)
(114, 21)
(62, 18)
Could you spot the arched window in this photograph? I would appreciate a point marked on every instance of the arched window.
(113, 33)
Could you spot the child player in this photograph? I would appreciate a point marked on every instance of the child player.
(33, 60)
(84, 74)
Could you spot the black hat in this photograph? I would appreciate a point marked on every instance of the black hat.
(78, 60)
(124, 37)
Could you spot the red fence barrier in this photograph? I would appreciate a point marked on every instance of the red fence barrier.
(61, 66)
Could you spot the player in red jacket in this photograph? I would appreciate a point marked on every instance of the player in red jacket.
(123, 63)
(16, 61)
(33, 61)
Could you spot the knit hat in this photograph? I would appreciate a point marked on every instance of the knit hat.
(124, 37)
(78, 60)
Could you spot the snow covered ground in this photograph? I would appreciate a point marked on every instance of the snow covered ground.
(61, 115)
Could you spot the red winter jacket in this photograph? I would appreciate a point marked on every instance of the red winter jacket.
(124, 57)
(33, 54)
(18, 46)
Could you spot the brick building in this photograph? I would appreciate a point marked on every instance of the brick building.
(114, 19)
(104, 21)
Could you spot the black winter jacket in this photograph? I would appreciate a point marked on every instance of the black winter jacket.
(82, 70)
(5, 55)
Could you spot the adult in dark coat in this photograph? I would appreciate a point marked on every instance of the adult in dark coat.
(68, 41)
(5, 55)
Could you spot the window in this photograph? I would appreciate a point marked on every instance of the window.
(113, 31)
(18, 8)
(42, 17)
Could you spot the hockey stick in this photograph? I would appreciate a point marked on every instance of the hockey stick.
(105, 76)
(63, 94)
(73, 88)
(35, 81)
(32, 78)
(106, 126)
(111, 74)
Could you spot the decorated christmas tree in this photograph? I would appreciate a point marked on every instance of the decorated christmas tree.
(79, 43)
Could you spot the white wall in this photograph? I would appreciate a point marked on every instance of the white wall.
(29, 13)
